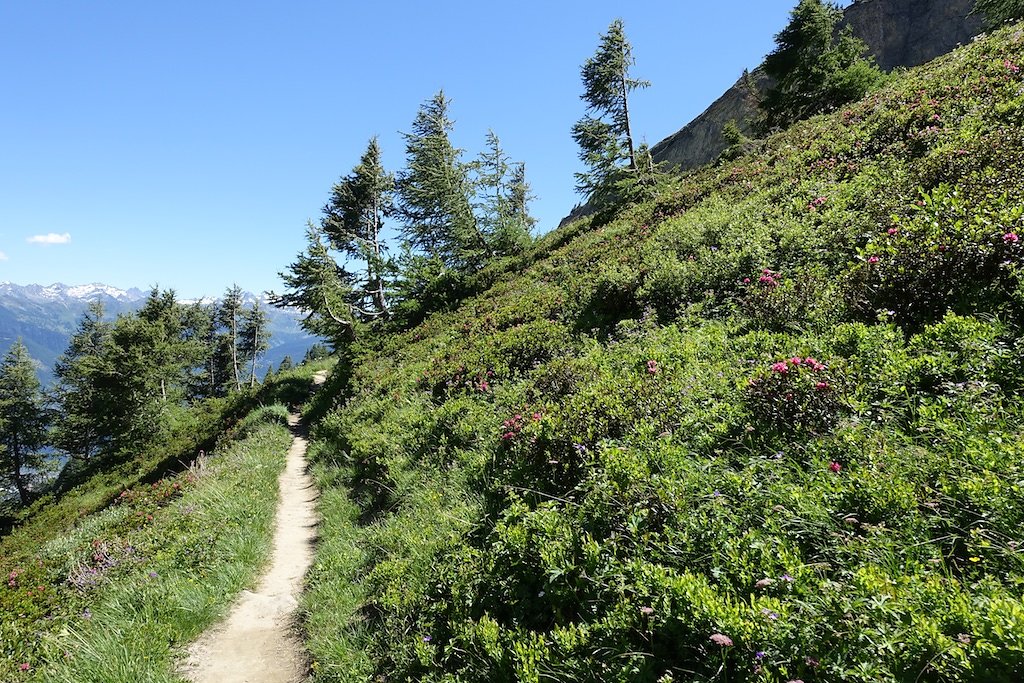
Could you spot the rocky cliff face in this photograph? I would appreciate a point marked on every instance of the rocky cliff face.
(897, 32)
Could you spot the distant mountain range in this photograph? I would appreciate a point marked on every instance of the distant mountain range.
(45, 317)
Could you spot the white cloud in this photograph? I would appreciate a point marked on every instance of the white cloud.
(50, 238)
(3, 256)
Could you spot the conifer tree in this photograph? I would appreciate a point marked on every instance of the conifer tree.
(815, 67)
(997, 12)
(228, 317)
(81, 426)
(605, 134)
(434, 193)
(23, 420)
(502, 198)
(253, 337)
(353, 221)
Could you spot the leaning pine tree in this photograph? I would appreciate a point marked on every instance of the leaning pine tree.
(605, 134)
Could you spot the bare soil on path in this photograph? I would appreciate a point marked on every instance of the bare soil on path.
(259, 641)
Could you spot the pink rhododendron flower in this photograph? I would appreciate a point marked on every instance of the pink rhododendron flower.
(780, 368)
(873, 259)
(1011, 238)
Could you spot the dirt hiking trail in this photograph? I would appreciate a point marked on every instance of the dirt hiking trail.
(258, 642)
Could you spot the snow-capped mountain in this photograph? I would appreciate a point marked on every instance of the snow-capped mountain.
(45, 316)
(61, 292)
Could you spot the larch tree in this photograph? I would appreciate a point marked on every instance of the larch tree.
(502, 198)
(253, 337)
(434, 193)
(997, 12)
(353, 221)
(605, 134)
(816, 67)
(228, 318)
(319, 287)
(81, 426)
(23, 420)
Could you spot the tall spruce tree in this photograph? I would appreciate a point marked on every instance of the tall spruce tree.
(816, 67)
(434, 191)
(605, 133)
(23, 420)
(353, 222)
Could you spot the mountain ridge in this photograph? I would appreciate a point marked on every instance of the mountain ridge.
(45, 316)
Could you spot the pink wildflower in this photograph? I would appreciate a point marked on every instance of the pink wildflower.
(721, 640)
(746, 280)
(536, 417)
(873, 260)
(821, 386)
(813, 364)
(780, 368)
(893, 231)
(835, 467)
(25, 666)
(652, 367)
(796, 360)
(1011, 238)
(646, 611)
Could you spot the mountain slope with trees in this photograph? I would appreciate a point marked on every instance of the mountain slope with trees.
(764, 425)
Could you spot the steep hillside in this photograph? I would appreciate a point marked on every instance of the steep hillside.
(898, 33)
(766, 426)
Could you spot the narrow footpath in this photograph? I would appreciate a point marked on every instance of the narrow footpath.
(258, 642)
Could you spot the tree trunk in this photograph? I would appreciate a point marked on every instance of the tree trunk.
(234, 350)
(255, 352)
(625, 113)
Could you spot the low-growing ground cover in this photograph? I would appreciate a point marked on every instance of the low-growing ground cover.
(113, 595)
(766, 426)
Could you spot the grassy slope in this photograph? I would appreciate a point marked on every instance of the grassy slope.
(765, 426)
(102, 586)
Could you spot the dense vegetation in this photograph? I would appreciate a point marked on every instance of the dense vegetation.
(122, 385)
(765, 426)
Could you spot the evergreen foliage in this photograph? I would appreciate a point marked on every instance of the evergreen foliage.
(604, 134)
(24, 421)
(435, 191)
(997, 12)
(253, 338)
(81, 428)
(352, 223)
(816, 67)
(501, 198)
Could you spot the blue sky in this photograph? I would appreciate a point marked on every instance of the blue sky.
(185, 144)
